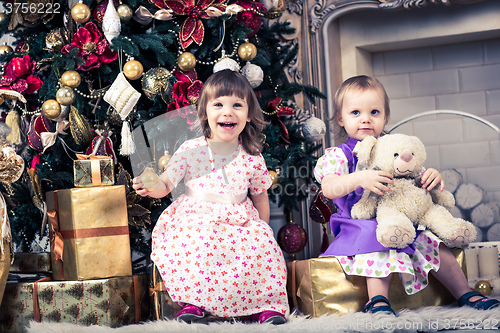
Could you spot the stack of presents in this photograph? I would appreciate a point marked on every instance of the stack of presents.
(87, 277)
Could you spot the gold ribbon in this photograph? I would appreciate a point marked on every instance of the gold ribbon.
(95, 166)
(144, 16)
(56, 238)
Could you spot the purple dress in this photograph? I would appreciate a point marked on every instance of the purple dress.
(355, 244)
(353, 236)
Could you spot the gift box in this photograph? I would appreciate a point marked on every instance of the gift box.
(108, 302)
(319, 286)
(89, 235)
(28, 263)
(162, 306)
(4, 267)
(93, 170)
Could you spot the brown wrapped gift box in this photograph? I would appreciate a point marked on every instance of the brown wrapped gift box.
(30, 262)
(320, 286)
(108, 302)
(91, 224)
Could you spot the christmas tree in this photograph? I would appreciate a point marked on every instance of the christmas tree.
(91, 76)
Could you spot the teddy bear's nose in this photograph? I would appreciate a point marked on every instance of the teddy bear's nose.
(406, 156)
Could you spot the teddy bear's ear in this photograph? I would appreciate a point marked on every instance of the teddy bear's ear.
(365, 150)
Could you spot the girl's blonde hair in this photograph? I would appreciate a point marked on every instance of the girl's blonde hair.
(361, 82)
(230, 83)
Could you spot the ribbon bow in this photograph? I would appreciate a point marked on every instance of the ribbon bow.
(230, 10)
(49, 138)
(144, 16)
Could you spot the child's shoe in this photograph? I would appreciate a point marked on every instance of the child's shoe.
(190, 313)
(371, 308)
(484, 303)
(271, 317)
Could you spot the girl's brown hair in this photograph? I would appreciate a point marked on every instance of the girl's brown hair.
(361, 82)
(230, 83)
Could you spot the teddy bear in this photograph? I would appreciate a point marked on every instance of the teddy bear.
(407, 205)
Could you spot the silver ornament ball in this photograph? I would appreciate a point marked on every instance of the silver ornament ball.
(314, 129)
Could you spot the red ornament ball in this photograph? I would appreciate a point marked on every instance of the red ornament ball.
(249, 16)
(292, 238)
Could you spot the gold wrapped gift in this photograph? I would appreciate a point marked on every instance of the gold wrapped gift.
(320, 286)
(24, 262)
(93, 170)
(4, 266)
(162, 306)
(89, 233)
(106, 302)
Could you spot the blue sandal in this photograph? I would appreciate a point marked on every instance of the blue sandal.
(370, 308)
(483, 303)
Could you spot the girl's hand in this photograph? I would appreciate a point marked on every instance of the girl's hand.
(138, 186)
(431, 178)
(375, 181)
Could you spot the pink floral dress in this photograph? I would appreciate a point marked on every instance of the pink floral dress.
(210, 246)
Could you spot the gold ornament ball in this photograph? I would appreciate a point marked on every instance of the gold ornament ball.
(186, 61)
(71, 79)
(154, 81)
(274, 177)
(3, 18)
(5, 49)
(65, 96)
(247, 51)
(51, 109)
(133, 70)
(124, 13)
(80, 13)
(484, 287)
(149, 179)
(163, 161)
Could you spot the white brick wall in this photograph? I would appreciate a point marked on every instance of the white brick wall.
(463, 77)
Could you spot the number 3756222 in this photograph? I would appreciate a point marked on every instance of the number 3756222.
(33, 8)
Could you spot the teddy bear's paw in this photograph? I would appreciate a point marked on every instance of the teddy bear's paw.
(396, 237)
(463, 236)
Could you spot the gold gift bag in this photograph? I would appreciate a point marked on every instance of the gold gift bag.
(89, 233)
(319, 286)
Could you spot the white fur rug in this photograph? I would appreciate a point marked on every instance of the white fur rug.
(430, 319)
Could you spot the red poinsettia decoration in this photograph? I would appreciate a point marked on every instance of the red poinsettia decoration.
(93, 47)
(192, 29)
(18, 76)
(186, 91)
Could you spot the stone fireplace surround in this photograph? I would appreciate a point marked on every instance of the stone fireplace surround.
(342, 38)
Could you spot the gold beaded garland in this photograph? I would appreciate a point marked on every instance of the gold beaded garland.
(247, 51)
(65, 96)
(133, 69)
(71, 79)
(186, 61)
(51, 109)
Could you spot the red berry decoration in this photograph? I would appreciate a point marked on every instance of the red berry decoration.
(250, 15)
(292, 238)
